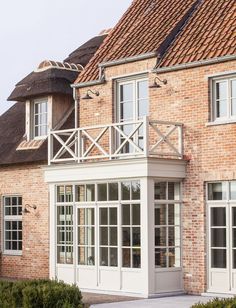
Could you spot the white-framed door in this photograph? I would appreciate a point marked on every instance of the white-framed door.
(221, 216)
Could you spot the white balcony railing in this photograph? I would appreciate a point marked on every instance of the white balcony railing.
(142, 138)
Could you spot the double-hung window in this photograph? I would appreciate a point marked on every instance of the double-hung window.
(12, 208)
(224, 99)
(40, 118)
(132, 106)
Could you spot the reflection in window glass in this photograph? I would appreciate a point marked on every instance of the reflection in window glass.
(217, 191)
(125, 190)
(113, 191)
(233, 190)
(102, 192)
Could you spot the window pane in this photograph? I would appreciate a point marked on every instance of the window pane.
(135, 186)
(233, 190)
(103, 236)
(160, 191)
(104, 256)
(7, 201)
(218, 258)
(161, 215)
(60, 194)
(103, 216)
(113, 191)
(126, 92)
(143, 108)
(126, 111)
(126, 236)
(160, 236)
(136, 214)
(102, 192)
(160, 257)
(234, 238)
(142, 89)
(233, 88)
(126, 214)
(80, 193)
(136, 237)
(217, 191)
(125, 190)
(69, 193)
(218, 216)
(173, 191)
(174, 236)
(234, 216)
(126, 262)
(113, 216)
(234, 258)
(218, 237)
(86, 256)
(113, 257)
(221, 108)
(113, 236)
(90, 193)
(174, 257)
(221, 90)
(174, 214)
(136, 254)
(69, 254)
(233, 106)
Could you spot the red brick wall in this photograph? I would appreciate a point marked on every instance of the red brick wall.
(211, 150)
(27, 181)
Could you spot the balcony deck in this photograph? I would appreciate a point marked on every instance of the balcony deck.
(141, 138)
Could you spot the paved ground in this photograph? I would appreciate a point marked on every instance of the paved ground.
(182, 301)
(93, 298)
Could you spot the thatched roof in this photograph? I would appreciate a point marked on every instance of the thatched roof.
(12, 130)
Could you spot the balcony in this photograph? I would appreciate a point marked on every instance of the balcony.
(141, 138)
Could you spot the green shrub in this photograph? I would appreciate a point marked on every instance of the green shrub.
(39, 294)
(218, 303)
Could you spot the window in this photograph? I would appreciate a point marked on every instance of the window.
(132, 105)
(12, 224)
(40, 118)
(224, 99)
(167, 225)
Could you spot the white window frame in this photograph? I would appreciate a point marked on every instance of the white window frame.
(33, 126)
(10, 218)
(228, 117)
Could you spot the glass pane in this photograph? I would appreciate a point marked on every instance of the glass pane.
(233, 106)
(113, 191)
(174, 214)
(91, 255)
(69, 254)
(126, 111)
(218, 216)
(126, 257)
(60, 194)
(160, 191)
(161, 215)
(69, 215)
(174, 236)
(90, 193)
(89, 217)
(160, 236)
(234, 216)
(61, 256)
(136, 253)
(218, 237)
(126, 92)
(7, 210)
(86, 256)
(221, 108)
(233, 190)
(113, 236)
(136, 237)
(135, 189)
(136, 214)
(233, 88)
(126, 214)
(218, 258)
(173, 191)
(14, 201)
(103, 216)
(102, 192)
(7, 201)
(125, 190)
(104, 256)
(234, 258)
(89, 236)
(103, 236)
(14, 210)
(234, 238)
(69, 194)
(81, 236)
(160, 257)
(113, 257)
(174, 257)
(113, 216)
(8, 245)
(79, 193)
(125, 236)
(221, 90)
(143, 108)
(142, 89)
(217, 191)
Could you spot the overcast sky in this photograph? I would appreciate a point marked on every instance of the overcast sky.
(33, 31)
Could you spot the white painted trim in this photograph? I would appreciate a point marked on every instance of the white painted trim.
(52, 233)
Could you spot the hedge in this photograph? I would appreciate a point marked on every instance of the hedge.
(218, 303)
(39, 294)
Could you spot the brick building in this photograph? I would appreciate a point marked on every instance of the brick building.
(139, 194)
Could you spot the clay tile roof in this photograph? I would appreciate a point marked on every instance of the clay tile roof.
(209, 33)
(142, 29)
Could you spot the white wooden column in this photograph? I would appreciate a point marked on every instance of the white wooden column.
(52, 232)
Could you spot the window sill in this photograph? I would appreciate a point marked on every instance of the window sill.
(12, 253)
(221, 122)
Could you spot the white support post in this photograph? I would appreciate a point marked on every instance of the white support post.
(146, 136)
(50, 147)
(147, 235)
(52, 233)
(110, 143)
(180, 130)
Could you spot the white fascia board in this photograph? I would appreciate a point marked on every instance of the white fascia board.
(116, 169)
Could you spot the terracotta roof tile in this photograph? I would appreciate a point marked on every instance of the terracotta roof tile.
(209, 33)
(142, 29)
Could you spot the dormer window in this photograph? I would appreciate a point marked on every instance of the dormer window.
(40, 118)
